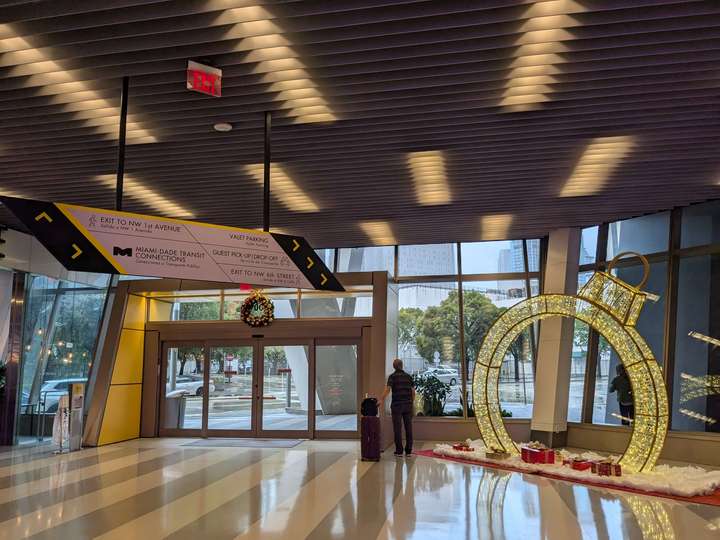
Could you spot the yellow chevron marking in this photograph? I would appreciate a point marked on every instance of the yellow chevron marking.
(77, 253)
(296, 245)
(44, 215)
(311, 263)
(324, 279)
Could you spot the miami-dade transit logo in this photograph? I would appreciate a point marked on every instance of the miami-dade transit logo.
(122, 252)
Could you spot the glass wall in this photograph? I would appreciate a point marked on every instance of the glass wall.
(60, 327)
(289, 304)
(483, 303)
(366, 259)
(696, 381)
(429, 338)
(448, 297)
(336, 385)
(682, 310)
(646, 234)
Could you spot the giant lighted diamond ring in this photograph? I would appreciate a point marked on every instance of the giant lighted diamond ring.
(611, 307)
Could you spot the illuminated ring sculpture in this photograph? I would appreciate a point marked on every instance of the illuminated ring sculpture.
(611, 307)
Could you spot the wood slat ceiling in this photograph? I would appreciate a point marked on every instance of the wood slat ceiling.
(507, 100)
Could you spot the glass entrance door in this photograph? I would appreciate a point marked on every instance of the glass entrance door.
(183, 389)
(260, 388)
(337, 387)
(287, 400)
(231, 408)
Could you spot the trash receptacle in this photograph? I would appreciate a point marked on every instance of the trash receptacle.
(369, 430)
(175, 409)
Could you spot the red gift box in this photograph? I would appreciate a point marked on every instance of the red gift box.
(603, 468)
(581, 464)
(537, 455)
(462, 447)
(606, 468)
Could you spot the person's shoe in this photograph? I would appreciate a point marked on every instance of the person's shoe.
(408, 454)
(398, 454)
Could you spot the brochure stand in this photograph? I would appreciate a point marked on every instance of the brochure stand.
(68, 421)
(60, 424)
(75, 427)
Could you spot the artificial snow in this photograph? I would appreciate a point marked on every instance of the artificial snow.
(686, 481)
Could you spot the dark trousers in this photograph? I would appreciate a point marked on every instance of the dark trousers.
(402, 414)
(627, 411)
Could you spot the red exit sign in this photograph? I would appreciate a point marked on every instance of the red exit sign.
(204, 79)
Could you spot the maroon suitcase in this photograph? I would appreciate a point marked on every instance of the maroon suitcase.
(370, 438)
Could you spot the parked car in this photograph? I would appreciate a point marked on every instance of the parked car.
(52, 390)
(191, 385)
(444, 374)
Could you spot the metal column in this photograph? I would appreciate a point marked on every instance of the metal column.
(266, 173)
(122, 132)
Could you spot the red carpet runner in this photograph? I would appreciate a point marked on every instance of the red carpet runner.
(713, 500)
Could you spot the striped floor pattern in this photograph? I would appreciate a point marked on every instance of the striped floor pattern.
(158, 488)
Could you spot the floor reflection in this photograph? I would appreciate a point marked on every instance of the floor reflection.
(436, 499)
(318, 490)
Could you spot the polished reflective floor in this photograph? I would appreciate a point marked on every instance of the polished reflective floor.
(159, 488)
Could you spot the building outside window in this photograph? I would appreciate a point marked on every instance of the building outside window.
(429, 339)
(494, 277)
(367, 259)
(483, 303)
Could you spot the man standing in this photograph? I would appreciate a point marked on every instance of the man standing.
(621, 385)
(403, 399)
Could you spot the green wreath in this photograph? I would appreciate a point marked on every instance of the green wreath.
(257, 310)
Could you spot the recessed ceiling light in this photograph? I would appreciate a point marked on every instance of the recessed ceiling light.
(495, 226)
(430, 177)
(539, 53)
(135, 189)
(597, 163)
(287, 191)
(380, 232)
(222, 127)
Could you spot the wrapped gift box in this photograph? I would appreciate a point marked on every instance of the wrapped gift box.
(537, 455)
(580, 464)
(463, 447)
(604, 468)
(496, 454)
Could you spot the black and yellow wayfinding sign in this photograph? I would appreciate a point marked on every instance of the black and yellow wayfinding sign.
(95, 240)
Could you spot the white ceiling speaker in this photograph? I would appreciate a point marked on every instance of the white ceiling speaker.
(222, 127)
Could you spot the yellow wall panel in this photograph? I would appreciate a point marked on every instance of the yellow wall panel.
(122, 414)
(129, 358)
(135, 312)
(159, 310)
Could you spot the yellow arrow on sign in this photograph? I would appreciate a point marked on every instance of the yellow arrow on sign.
(77, 253)
(311, 263)
(296, 245)
(44, 215)
(324, 279)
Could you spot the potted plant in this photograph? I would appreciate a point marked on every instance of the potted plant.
(434, 393)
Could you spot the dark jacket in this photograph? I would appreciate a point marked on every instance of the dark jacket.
(621, 385)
